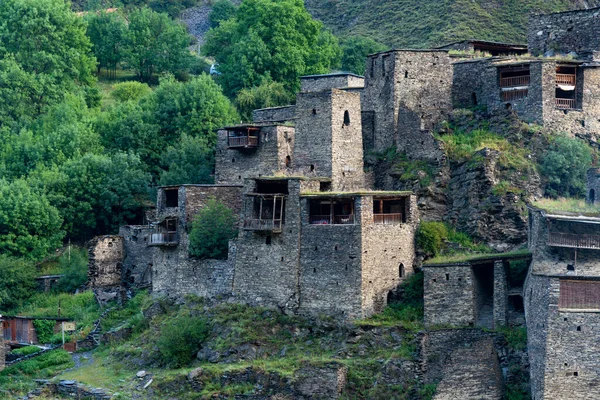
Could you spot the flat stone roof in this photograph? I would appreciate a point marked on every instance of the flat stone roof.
(198, 185)
(478, 259)
(358, 193)
(410, 51)
(486, 42)
(333, 74)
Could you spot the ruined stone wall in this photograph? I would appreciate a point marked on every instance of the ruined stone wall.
(105, 261)
(566, 32)
(386, 250)
(275, 143)
(500, 294)
(196, 197)
(138, 256)
(267, 274)
(321, 83)
(274, 114)
(330, 267)
(449, 294)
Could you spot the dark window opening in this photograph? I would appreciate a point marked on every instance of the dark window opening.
(592, 198)
(473, 99)
(331, 212)
(447, 277)
(570, 267)
(172, 198)
(389, 211)
(406, 74)
(401, 270)
(579, 329)
(233, 160)
(272, 187)
(517, 303)
(324, 186)
(575, 373)
(346, 118)
(314, 111)
(268, 240)
(288, 161)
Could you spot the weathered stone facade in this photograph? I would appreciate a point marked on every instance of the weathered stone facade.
(138, 256)
(320, 83)
(593, 185)
(563, 341)
(104, 267)
(493, 48)
(572, 32)
(273, 154)
(274, 114)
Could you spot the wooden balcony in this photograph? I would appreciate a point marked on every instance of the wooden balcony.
(331, 220)
(242, 141)
(512, 95)
(164, 239)
(515, 81)
(387, 219)
(573, 240)
(565, 79)
(565, 104)
(263, 225)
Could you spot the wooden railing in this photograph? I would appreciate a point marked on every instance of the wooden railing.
(565, 79)
(271, 225)
(387, 218)
(242, 141)
(565, 104)
(512, 95)
(573, 240)
(514, 81)
(164, 239)
(328, 220)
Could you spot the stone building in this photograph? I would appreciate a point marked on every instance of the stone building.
(487, 47)
(476, 292)
(576, 33)
(562, 305)
(593, 185)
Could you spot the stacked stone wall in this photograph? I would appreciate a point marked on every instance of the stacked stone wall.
(138, 256)
(197, 196)
(325, 82)
(593, 185)
(449, 295)
(274, 114)
(275, 143)
(105, 261)
(564, 33)
(500, 293)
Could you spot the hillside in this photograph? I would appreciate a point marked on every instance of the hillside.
(419, 24)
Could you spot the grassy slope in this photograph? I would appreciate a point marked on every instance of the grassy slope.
(426, 23)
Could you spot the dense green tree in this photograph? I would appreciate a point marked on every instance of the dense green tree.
(222, 10)
(73, 266)
(127, 91)
(188, 161)
(212, 228)
(46, 41)
(355, 50)
(250, 47)
(107, 32)
(96, 193)
(155, 44)
(30, 226)
(17, 281)
(564, 166)
(267, 94)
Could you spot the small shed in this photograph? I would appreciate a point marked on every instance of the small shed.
(19, 329)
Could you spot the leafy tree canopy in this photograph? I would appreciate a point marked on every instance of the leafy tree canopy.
(107, 32)
(211, 230)
(30, 226)
(267, 94)
(222, 10)
(188, 161)
(250, 47)
(17, 281)
(355, 50)
(564, 167)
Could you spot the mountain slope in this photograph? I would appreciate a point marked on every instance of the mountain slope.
(427, 23)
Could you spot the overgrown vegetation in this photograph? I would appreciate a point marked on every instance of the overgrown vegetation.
(433, 238)
(567, 205)
(180, 340)
(212, 228)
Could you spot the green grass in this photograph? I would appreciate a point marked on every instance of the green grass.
(456, 258)
(25, 351)
(516, 337)
(579, 206)
(420, 24)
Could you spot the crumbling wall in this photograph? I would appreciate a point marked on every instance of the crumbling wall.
(105, 261)
(138, 256)
(196, 197)
(319, 83)
(275, 145)
(449, 295)
(388, 252)
(274, 114)
(566, 32)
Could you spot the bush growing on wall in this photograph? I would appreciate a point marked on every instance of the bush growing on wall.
(211, 230)
(431, 236)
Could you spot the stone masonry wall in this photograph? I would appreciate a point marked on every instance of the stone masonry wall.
(321, 83)
(275, 143)
(500, 294)
(449, 295)
(386, 250)
(566, 32)
(267, 274)
(593, 185)
(274, 114)
(330, 267)
(138, 256)
(105, 261)
(196, 197)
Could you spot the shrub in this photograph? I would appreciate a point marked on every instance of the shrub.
(74, 268)
(211, 230)
(44, 329)
(180, 339)
(25, 351)
(126, 91)
(17, 281)
(564, 167)
(431, 236)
